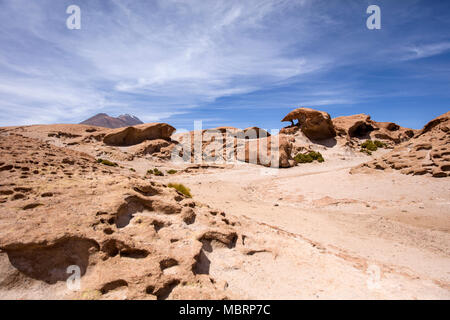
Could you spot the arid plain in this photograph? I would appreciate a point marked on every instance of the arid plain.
(367, 219)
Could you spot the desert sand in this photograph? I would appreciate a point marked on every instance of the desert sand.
(356, 226)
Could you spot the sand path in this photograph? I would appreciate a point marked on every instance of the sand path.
(320, 232)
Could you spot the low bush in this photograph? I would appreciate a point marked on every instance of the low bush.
(172, 171)
(181, 188)
(155, 172)
(369, 145)
(380, 144)
(309, 157)
(107, 162)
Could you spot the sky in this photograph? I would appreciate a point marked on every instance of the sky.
(227, 63)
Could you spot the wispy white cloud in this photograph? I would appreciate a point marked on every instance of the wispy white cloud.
(325, 102)
(425, 51)
(158, 116)
(161, 59)
(168, 52)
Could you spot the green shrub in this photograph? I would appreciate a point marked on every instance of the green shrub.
(380, 144)
(370, 145)
(309, 157)
(155, 172)
(132, 169)
(172, 171)
(303, 158)
(366, 151)
(181, 188)
(107, 162)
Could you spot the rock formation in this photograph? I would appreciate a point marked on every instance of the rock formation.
(137, 134)
(427, 153)
(159, 148)
(274, 151)
(361, 126)
(227, 144)
(255, 132)
(129, 237)
(316, 125)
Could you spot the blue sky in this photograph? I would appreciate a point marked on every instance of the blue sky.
(236, 63)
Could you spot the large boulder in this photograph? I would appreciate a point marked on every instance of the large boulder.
(255, 132)
(232, 144)
(358, 125)
(274, 151)
(224, 129)
(137, 134)
(316, 125)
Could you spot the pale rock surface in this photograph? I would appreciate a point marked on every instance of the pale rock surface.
(427, 153)
(132, 238)
(138, 134)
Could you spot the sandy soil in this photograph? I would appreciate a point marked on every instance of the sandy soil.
(331, 234)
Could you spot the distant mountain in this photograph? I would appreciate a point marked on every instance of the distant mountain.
(104, 120)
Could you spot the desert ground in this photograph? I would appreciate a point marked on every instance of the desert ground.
(360, 225)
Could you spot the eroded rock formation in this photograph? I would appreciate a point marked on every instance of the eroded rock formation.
(361, 126)
(137, 134)
(427, 153)
(316, 125)
(131, 238)
(221, 145)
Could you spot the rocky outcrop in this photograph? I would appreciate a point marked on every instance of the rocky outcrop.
(137, 134)
(361, 126)
(392, 132)
(231, 144)
(255, 133)
(274, 151)
(129, 237)
(427, 153)
(316, 125)
(123, 144)
(292, 130)
(158, 148)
